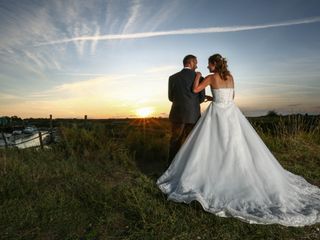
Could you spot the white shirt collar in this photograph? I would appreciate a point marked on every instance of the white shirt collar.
(187, 68)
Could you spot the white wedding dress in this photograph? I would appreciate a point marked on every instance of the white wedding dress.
(225, 166)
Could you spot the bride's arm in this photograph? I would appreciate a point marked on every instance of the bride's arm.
(198, 87)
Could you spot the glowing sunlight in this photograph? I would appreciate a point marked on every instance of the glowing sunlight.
(144, 112)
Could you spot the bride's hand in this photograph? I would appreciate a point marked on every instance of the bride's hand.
(198, 74)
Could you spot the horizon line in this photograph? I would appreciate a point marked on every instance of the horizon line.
(163, 117)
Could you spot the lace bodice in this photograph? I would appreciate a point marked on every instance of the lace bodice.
(222, 95)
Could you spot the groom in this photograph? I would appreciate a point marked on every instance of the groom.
(185, 109)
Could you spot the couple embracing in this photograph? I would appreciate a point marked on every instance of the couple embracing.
(219, 160)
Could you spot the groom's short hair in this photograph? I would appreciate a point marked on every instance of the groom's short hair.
(187, 59)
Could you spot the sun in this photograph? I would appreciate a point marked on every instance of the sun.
(144, 112)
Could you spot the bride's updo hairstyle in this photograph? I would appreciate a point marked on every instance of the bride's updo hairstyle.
(221, 66)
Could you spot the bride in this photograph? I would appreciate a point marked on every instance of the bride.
(224, 165)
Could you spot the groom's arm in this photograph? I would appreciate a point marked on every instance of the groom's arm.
(202, 94)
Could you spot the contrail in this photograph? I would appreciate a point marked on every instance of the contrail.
(187, 31)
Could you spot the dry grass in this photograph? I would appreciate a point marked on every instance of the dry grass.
(99, 183)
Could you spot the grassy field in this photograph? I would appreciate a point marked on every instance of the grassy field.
(99, 183)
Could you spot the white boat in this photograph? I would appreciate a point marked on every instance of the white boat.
(30, 130)
(16, 132)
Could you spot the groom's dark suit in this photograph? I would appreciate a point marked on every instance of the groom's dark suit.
(185, 109)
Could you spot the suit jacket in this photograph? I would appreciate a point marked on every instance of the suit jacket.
(185, 103)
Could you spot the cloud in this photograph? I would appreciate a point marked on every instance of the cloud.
(134, 14)
(94, 43)
(21, 24)
(42, 60)
(98, 85)
(162, 69)
(6, 96)
(82, 74)
(187, 31)
(162, 14)
(282, 85)
(294, 105)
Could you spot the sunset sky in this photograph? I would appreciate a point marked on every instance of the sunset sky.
(112, 58)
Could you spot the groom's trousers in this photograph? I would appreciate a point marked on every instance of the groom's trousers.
(179, 132)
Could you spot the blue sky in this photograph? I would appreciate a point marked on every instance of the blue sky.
(112, 58)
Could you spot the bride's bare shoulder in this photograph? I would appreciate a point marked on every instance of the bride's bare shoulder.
(211, 78)
(215, 77)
